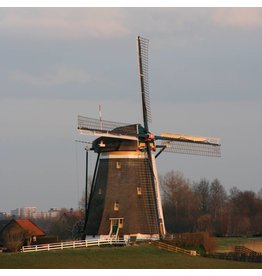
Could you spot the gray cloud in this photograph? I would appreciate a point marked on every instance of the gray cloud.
(63, 23)
(56, 76)
(104, 23)
(243, 18)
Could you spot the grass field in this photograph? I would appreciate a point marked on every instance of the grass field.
(227, 244)
(142, 256)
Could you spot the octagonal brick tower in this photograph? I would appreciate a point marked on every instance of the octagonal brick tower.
(124, 200)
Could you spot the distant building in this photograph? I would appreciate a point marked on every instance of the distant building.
(71, 217)
(54, 212)
(68, 225)
(31, 212)
(4, 215)
(24, 212)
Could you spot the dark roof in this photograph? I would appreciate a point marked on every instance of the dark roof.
(71, 216)
(3, 223)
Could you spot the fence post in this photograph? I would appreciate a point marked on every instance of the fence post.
(62, 246)
(48, 247)
(98, 244)
(36, 248)
(86, 243)
(74, 244)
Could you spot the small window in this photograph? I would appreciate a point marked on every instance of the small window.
(118, 165)
(100, 191)
(121, 223)
(116, 206)
(139, 190)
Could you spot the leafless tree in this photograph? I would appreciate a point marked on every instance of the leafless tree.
(14, 238)
(202, 192)
(179, 203)
(206, 206)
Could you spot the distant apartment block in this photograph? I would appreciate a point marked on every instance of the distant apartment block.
(4, 215)
(25, 212)
(31, 212)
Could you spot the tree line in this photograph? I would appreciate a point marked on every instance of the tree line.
(206, 206)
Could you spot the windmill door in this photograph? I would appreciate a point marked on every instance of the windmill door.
(115, 225)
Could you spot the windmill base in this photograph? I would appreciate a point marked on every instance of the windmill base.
(141, 237)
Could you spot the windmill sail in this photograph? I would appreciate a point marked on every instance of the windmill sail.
(188, 144)
(97, 127)
(142, 48)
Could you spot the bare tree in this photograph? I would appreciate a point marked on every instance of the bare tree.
(179, 203)
(82, 201)
(218, 207)
(204, 223)
(207, 207)
(14, 238)
(244, 209)
(201, 190)
(259, 194)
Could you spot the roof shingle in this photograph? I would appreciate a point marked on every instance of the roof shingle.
(29, 226)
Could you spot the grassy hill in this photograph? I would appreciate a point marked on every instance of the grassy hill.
(142, 256)
(225, 244)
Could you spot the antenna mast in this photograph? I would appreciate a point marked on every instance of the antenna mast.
(100, 117)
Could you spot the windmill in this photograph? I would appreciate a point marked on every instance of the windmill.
(125, 195)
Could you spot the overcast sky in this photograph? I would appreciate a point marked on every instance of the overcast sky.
(56, 63)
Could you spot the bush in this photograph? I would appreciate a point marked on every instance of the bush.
(199, 240)
(46, 239)
(13, 240)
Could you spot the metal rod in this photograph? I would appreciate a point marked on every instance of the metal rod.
(91, 194)
(86, 189)
(163, 148)
(100, 117)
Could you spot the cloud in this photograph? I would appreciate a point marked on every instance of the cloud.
(244, 18)
(63, 23)
(59, 75)
(107, 23)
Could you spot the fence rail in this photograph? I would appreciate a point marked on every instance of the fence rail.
(244, 250)
(233, 256)
(174, 248)
(240, 253)
(72, 244)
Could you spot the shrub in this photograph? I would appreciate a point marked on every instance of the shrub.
(13, 239)
(197, 240)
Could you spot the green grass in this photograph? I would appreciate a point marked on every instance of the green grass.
(142, 256)
(227, 244)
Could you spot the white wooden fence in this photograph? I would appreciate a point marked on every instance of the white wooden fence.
(72, 244)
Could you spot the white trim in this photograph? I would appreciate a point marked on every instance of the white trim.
(106, 134)
(107, 155)
(142, 236)
(158, 196)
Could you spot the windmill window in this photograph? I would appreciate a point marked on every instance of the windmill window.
(139, 190)
(116, 206)
(118, 165)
